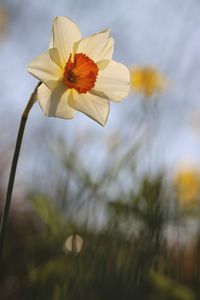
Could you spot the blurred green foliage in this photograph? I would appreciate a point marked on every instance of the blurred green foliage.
(125, 256)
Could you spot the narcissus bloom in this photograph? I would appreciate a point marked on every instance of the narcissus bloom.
(79, 73)
(187, 184)
(147, 81)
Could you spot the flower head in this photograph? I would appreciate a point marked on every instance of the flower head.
(187, 184)
(79, 73)
(147, 81)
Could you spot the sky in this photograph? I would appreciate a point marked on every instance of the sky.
(164, 34)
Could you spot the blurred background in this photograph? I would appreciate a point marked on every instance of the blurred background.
(105, 213)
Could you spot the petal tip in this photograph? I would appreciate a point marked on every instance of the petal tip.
(107, 30)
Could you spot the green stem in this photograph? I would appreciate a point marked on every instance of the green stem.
(7, 202)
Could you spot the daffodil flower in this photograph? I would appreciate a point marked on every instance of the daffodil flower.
(187, 184)
(78, 74)
(74, 74)
(147, 81)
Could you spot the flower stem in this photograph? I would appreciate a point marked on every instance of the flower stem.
(7, 202)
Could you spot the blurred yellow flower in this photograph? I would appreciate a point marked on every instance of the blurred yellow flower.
(187, 184)
(79, 73)
(3, 20)
(147, 81)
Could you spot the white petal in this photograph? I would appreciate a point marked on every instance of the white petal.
(54, 55)
(65, 34)
(45, 68)
(113, 82)
(97, 46)
(93, 106)
(55, 103)
(107, 53)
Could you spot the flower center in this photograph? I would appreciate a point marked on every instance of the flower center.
(81, 73)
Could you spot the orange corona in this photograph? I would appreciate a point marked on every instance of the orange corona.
(81, 73)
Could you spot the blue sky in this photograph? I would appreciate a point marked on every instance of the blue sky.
(164, 34)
